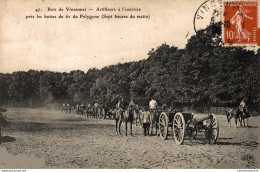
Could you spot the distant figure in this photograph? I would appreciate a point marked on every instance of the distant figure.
(68, 108)
(96, 110)
(81, 109)
(89, 110)
(63, 108)
(77, 109)
(146, 116)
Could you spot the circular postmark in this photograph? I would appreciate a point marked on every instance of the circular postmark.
(207, 22)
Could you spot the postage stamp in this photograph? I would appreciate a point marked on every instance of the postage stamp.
(241, 23)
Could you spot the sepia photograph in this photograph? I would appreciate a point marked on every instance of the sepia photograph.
(130, 84)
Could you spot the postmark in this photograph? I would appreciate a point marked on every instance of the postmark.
(207, 22)
(240, 23)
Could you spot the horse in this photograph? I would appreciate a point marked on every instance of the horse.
(75, 109)
(63, 108)
(234, 113)
(243, 115)
(89, 111)
(124, 116)
(82, 110)
(68, 108)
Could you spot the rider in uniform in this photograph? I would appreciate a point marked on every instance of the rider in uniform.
(132, 104)
(121, 106)
(242, 105)
(96, 109)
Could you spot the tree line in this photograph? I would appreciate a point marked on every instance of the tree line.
(198, 75)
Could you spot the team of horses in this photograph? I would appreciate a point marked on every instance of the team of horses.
(88, 111)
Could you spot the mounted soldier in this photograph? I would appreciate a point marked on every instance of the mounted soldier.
(89, 110)
(63, 107)
(96, 110)
(243, 113)
(242, 105)
(121, 106)
(68, 108)
(124, 114)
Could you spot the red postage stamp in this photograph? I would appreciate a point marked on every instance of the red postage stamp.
(240, 20)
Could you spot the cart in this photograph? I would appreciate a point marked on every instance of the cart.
(186, 125)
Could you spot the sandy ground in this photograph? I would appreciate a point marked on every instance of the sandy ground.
(38, 138)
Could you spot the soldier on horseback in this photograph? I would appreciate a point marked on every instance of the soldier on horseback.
(124, 114)
(96, 115)
(242, 103)
(121, 106)
(243, 112)
(242, 106)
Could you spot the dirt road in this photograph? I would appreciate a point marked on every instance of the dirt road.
(40, 138)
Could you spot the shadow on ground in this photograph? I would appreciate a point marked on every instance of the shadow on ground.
(6, 139)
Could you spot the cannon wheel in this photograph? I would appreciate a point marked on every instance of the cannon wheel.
(178, 128)
(212, 131)
(163, 125)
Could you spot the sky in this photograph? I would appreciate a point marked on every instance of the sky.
(80, 44)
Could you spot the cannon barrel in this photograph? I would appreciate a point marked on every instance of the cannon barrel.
(203, 118)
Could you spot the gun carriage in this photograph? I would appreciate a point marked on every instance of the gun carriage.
(187, 125)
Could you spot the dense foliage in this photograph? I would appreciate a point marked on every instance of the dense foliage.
(199, 75)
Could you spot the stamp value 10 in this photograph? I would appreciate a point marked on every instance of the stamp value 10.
(240, 19)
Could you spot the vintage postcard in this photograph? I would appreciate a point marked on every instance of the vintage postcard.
(129, 84)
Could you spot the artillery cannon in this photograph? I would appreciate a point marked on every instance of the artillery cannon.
(185, 124)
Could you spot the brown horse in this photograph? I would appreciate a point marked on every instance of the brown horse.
(232, 113)
(124, 116)
(235, 113)
(243, 115)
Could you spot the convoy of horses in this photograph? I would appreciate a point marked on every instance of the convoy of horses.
(164, 121)
(88, 111)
